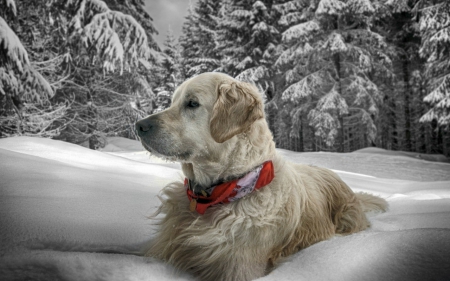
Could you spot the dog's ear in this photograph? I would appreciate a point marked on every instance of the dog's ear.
(237, 107)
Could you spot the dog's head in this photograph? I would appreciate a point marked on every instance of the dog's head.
(206, 112)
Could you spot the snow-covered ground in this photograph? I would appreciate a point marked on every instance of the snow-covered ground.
(70, 213)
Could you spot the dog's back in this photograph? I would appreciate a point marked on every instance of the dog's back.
(318, 206)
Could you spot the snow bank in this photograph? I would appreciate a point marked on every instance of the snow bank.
(378, 163)
(70, 213)
(416, 155)
(115, 144)
(133, 150)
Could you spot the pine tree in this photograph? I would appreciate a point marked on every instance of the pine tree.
(19, 80)
(117, 40)
(170, 72)
(233, 29)
(198, 41)
(248, 39)
(335, 54)
(103, 45)
(24, 93)
(435, 48)
(403, 102)
(89, 52)
(293, 128)
(190, 43)
(136, 9)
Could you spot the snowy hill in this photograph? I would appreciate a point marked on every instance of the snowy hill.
(70, 213)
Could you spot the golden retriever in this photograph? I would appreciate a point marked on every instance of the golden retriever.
(216, 129)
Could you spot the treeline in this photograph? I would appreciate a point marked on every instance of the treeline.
(337, 75)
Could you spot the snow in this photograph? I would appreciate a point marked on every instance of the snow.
(252, 74)
(330, 7)
(114, 35)
(398, 6)
(70, 213)
(12, 47)
(10, 4)
(360, 6)
(304, 88)
(303, 31)
(14, 53)
(258, 5)
(333, 101)
(335, 43)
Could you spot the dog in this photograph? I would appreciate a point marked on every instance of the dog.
(242, 208)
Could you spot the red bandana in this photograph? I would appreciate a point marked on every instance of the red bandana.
(232, 190)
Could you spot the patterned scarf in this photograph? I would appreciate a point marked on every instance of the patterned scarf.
(230, 191)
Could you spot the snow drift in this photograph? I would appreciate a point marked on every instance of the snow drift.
(70, 213)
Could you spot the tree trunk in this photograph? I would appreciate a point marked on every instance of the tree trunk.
(341, 135)
(445, 142)
(428, 137)
(17, 105)
(392, 136)
(271, 114)
(337, 63)
(92, 121)
(406, 95)
(301, 147)
(313, 139)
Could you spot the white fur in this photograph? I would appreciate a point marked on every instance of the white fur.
(245, 239)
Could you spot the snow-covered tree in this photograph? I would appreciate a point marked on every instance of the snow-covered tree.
(112, 39)
(398, 124)
(170, 72)
(105, 48)
(89, 51)
(189, 42)
(24, 92)
(171, 62)
(137, 9)
(332, 57)
(198, 41)
(435, 32)
(404, 106)
(248, 38)
(19, 80)
(290, 129)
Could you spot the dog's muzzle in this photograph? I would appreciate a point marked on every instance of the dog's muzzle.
(158, 140)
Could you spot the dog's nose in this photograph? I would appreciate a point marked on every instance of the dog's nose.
(146, 126)
(141, 126)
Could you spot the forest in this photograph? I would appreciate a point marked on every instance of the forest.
(336, 75)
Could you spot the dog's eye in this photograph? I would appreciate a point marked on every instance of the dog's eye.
(193, 104)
